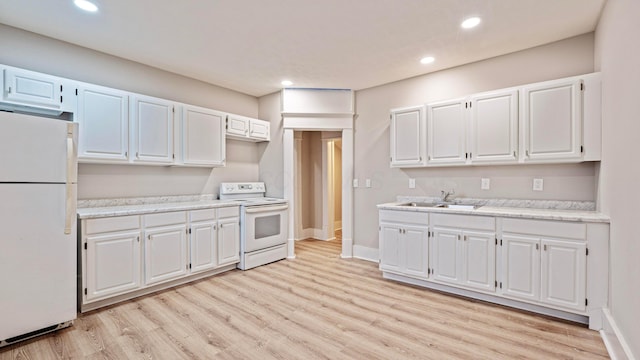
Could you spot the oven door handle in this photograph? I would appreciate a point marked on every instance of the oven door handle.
(261, 209)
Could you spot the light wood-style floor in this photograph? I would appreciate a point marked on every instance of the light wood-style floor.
(317, 306)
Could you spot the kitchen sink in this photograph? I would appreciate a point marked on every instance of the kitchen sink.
(459, 207)
(440, 205)
(421, 204)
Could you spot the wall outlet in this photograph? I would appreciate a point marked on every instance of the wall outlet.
(485, 184)
(355, 183)
(538, 184)
(412, 183)
(367, 183)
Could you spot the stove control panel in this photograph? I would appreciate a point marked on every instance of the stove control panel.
(242, 188)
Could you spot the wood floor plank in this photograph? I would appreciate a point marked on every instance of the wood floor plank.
(316, 306)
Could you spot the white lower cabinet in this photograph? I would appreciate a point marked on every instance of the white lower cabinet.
(228, 236)
(111, 256)
(545, 262)
(521, 267)
(165, 253)
(538, 265)
(404, 243)
(214, 238)
(203, 241)
(103, 251)
(464, 256)
(127, 256)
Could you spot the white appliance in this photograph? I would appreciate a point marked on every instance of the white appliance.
(264, 223)
(38, 172)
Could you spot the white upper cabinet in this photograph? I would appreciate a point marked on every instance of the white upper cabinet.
(408, 136)
(548, 122)
(248, 129)
(260, 130)
(237, 125)
(552, 121)
(40, 92)
(152, 130)
(494, 127)
(202, 137)
(103, 115)
(447, 132)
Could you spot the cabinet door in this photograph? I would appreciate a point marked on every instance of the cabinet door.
(494, 127)
(563, 273)
(446, 261)
(552, 118)
(30, 88)
(259, 130)
(165, 253)
(521, 267)
(446, 133)
(237, 125)
(390, 247)
(152, 130)
(407, 137)
(479, 259)
(203, 246)
(228, 241)
(416, 251)
(103, 115)
(112, 264)
(203, 139)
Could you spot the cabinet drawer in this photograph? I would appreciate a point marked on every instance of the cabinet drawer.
(226, 212)
(545, 228)
(464, 221)
(406, 217)
(168, 218)
(203, 215)
(111, 224)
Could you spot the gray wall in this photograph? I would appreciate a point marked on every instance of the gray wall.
(311, 174)
(571, 182)
(271, 153)
(35, 52)
(618, 57)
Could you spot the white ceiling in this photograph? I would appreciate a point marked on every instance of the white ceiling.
(251, 45)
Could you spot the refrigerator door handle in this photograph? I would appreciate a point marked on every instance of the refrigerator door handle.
(72, 175)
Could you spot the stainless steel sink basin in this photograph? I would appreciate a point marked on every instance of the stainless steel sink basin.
(459, 207)
(437, 205)
(421, 204)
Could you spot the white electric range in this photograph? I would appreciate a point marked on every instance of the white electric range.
(263, 223)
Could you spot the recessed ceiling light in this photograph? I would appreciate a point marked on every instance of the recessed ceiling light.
(86, 5)
(286, 83)
(470, 22)
(427, 60)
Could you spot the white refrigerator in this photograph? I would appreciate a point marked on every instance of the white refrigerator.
(38, 172)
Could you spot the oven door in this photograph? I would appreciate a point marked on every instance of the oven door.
(265, 226)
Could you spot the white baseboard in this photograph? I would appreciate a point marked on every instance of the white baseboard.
(613, 340)
(311, 233)
(365, 253)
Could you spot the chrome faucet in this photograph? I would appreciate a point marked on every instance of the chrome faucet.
(446, 194)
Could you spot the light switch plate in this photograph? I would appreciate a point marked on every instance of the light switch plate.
(355, 183)
(412, 183)
(485, 184)
(367, 183)
(538, 184)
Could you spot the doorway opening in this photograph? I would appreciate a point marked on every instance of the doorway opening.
(318, 169)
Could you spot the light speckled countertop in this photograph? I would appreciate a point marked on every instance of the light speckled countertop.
(91, 209)
(542, 210)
